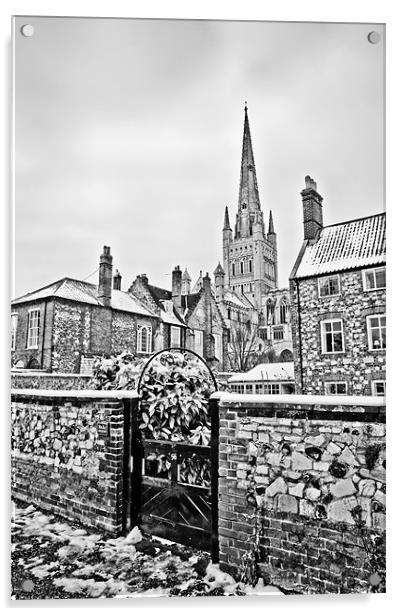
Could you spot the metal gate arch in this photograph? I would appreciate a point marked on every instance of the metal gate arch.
(162, 503)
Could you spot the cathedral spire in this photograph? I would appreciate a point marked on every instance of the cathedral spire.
(248, 191)
(271, 224)
(226, 223)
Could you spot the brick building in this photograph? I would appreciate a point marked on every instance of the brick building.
(206, 332)
(63, 326)
(337, 289)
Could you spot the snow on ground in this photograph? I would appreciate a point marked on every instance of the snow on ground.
(54, 559)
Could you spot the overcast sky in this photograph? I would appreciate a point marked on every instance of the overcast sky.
(129, 134)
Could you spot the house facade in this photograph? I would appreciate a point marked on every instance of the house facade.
(337, 290)
(65, 325)
(206, 332)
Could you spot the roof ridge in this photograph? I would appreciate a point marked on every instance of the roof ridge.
(50, 284)
(346, 222)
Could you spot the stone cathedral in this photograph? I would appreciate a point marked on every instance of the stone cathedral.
(247, 284)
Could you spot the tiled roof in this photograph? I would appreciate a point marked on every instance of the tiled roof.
(281, 371)
(86, 293)
(348, 245)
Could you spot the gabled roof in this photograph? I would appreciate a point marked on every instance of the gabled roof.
(162, 295)
(347, 245)
(189, 302)
(281, 371)
(86, 293)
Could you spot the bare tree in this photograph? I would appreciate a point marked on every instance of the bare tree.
(244, 347)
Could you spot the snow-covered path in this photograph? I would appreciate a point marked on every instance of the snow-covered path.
(54, 559)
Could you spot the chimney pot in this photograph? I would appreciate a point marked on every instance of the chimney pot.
(117, 280)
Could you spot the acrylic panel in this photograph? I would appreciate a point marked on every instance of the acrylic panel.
(198, 329)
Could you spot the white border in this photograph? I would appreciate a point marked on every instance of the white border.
(388, 11)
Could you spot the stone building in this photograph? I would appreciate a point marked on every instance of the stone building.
(65, 325)
(206, 332)
(246, 285)
(338, 303)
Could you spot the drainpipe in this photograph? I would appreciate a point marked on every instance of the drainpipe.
(300, 338)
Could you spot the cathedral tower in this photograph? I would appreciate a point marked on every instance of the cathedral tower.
(249, 255)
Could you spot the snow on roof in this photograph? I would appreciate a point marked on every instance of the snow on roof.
(233, 298)
(283, 371)
(87, 293)
(348, 245)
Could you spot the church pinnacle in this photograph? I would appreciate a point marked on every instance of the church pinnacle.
(248, 191)
(226, 223)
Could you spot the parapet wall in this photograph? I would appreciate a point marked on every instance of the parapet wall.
(68, 454)
(49, 380)
(311, 479)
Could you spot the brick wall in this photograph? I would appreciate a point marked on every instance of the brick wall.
(68, 454)
(302, 472)
(356, 365)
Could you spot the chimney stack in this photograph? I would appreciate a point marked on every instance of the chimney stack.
(117, 281)
(105, 277)
(312, 210)
(176, 287)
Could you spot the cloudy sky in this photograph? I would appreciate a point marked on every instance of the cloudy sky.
(128, 133)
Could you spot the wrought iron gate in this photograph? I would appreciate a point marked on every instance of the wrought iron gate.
(174, 485)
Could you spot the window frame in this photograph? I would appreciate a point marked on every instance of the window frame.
(322, 279)
(199, 350)
(14, 318)
(177, 330)
(30, 329)
(327, 384)
(373, 387)
(218, 344)
(378, 316)
(323, 337)
(148, 329)
(373, 270)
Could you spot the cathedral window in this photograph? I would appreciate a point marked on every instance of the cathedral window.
(270, 312)
(250, 266)
(233, 269)
(241, 268)
(283, 311)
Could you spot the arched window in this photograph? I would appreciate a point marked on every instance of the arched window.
(270, 312)
(144, 339)
(283, 311)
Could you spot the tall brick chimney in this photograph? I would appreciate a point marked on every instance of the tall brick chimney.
(117, 281)
(177, 287)
(312, 209)
(105, 277)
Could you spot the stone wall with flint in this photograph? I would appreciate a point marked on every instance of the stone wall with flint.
(302, 493)
(68, 454)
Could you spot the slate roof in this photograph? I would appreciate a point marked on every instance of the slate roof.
(281, 371)
(347, 245)
(161, 295)
(86, 293)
